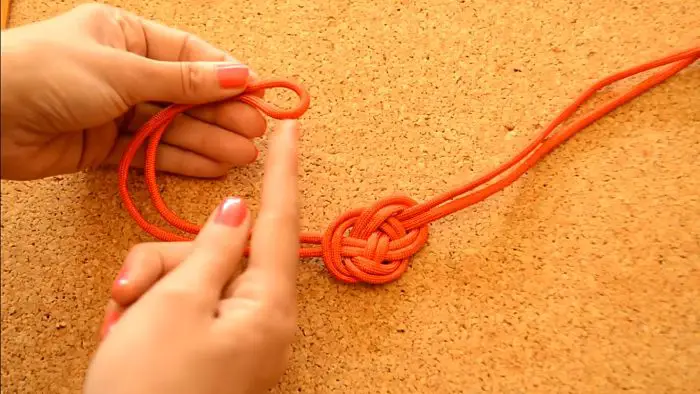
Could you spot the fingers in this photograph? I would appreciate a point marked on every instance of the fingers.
(144, 265)
(166, 54)
(173, 45)
(216, 253)
(207, 265)
(232, 115)
(190, 82)
(169, 44)
(275, 242)
(206, 139)
(171, 159)
(156, 41)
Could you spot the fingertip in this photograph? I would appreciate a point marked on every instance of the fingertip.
(142, 267)
(124, 292)
(121, 290)
(245, 119)
(217, 250)
(246, 153)
(261, 128)
(290, 125)
(232, 212)
(232, 76)
(284, 149)
(291, 129)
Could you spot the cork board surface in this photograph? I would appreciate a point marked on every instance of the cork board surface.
(582, 277)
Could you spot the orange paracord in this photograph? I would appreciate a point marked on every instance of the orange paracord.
(383, 236)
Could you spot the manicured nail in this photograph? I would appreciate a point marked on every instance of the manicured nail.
(231, 212)
(110, 320)
(122, 278)
(232, 76)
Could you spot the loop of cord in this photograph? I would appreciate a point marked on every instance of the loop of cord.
(373, 245)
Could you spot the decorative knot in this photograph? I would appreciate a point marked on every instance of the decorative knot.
(377, 248)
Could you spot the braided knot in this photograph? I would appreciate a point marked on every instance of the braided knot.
(377, 248)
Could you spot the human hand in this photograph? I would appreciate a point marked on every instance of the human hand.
(183, 317)
(76, 87)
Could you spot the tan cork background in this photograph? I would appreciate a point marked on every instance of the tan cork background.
(582, 277)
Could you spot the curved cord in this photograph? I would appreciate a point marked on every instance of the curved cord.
(374, 244)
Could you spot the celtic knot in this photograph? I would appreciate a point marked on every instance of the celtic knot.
(377, 248)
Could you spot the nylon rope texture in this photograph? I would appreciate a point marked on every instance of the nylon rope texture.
(374, 244)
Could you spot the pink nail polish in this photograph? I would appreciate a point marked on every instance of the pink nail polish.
(232, 76)
(232, 212)
(122, 278)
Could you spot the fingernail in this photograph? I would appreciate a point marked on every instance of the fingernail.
(232, 76)
(231, 212)
(110, 320)
(122, 278)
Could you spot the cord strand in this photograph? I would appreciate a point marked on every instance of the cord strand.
(374, 244)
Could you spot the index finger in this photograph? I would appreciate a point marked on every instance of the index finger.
(275, 241)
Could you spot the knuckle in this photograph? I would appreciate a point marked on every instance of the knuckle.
(192, 79)
(185, 46)
(190, 42)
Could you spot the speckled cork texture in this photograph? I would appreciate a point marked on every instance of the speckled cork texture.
(582, 277)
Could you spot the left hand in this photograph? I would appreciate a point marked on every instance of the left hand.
(76, 87)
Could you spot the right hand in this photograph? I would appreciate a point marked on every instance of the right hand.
(189, 318)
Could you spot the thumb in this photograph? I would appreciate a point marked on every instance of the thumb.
(216, 253)
(195, 82)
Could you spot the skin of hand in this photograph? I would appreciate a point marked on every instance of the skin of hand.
(77, 86)
(191, 317)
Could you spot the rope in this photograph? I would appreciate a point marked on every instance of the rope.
(383, 236)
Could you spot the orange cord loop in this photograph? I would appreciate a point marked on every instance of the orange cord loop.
(374, 244)
(272, 110)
